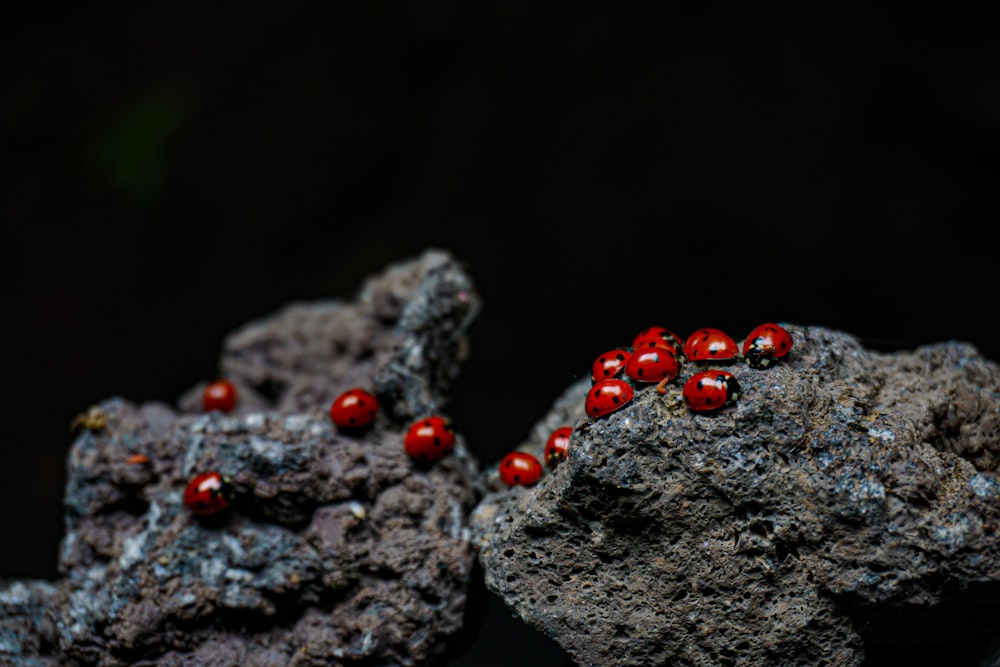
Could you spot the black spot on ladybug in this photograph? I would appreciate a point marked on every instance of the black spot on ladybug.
(607, 372)
(517, 478)
(700, 384)
(202, 504)
(509, 463)
(594, 410)
(704, 338)
(602, 360)
(712, 351)
(639, 371)
(428, 424)
(784, 344)
(437, 441)
(616, 400)
(708, 400)
(351, 420)
(619, 357)
(361, 401)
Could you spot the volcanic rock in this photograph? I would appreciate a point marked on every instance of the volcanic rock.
(338, 548)
(847, 499)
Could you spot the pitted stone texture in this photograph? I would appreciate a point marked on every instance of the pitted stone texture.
(847, 497)
(404, 339)
(340, 548)
(26, 634)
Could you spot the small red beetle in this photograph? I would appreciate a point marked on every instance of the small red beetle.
(658, 337)
(653, 364)
(557, 447)
(208, 493)
(711, 345)
(766, 344)
(609, 364)
(520, 468)
(607, 396)
(219, 395)
(429, 439)
(710, 390)
(354, 408)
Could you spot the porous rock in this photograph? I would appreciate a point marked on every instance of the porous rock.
(405, 333)
(847, 499)
(338, 550)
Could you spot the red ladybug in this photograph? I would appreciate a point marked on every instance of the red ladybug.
(429, 439)
(653, 364)
(208, 493)
(557, 447)
(219, 395)
(520, 468)
(710, 390)
(710, 345)
(354, 408)
(658, 337)
(607, 396)
(609, 364)
(766, 344)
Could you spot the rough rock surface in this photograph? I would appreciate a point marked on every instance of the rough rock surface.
(847, 499)
(339, 549)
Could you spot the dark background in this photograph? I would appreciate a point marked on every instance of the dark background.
(173, 170)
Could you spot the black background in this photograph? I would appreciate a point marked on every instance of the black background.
(173, 170)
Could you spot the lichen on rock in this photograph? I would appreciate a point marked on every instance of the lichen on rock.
(848, 498)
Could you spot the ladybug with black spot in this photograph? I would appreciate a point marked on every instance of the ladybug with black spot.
(520, 468)
(766, 344)
(429, 439)
(607, 396)
(208, 493)
(710, 390)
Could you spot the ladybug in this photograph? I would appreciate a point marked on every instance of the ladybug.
(607, 396)
(658, 337)
(609, 364)
(520, 468)
(653, 364)
(219, 395)
(710, 390)
(710, 345)
(766, 344)
(557, 447)
(208, 493)
(429, 439)
(354, 408)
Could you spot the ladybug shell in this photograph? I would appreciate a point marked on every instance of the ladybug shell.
(208, 493)
(429, 439)
(609, 364)
(557, 446)
(658, 337)
(520, 468)
(710, 390)
(219, 395)
(354, 408)
(710, 345)
(607, 396)
(765, 344)
(652, 364)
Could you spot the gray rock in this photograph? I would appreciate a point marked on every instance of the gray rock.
(847, 499)
(338, 549)
(26, 633)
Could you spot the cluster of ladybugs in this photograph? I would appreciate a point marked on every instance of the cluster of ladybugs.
(426, 440)
(655, 355)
